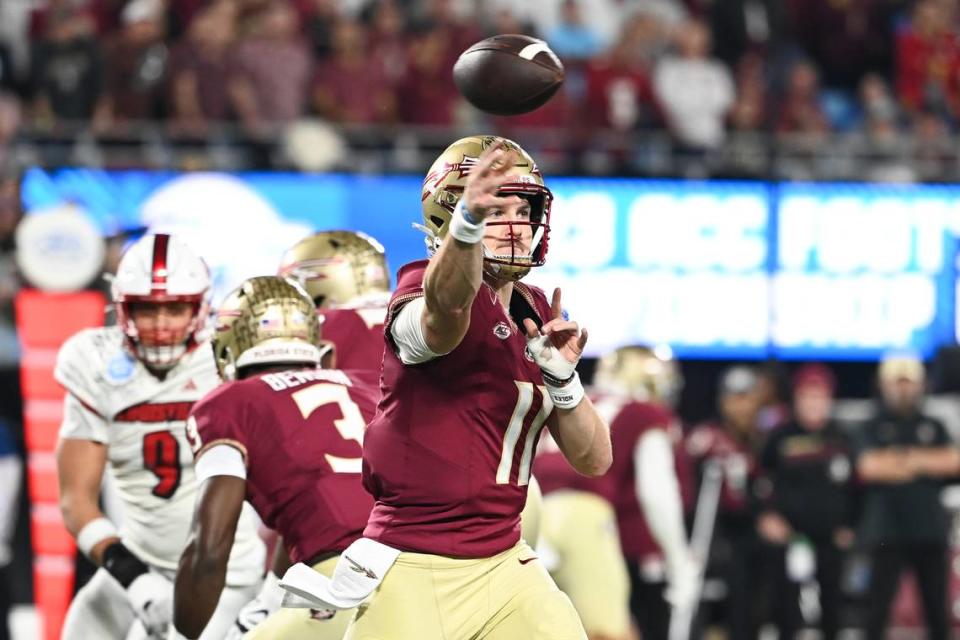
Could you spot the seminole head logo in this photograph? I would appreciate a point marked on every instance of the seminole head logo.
(435, 178)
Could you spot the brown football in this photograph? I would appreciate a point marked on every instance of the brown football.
(508, 74)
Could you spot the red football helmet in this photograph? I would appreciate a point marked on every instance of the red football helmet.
(161, 269)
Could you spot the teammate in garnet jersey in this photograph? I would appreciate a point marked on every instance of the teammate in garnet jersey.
(284, 435)
(580, 545)
(635, 388)
(476, 363)
(345, 272)
(129, 389)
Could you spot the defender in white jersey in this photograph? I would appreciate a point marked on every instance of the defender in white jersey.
(129, 390)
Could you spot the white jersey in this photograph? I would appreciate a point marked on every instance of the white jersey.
(113, 399)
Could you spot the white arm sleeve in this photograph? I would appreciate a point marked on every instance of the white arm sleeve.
(81, 423)
(220, 460)
(407, 334)
(659, 493)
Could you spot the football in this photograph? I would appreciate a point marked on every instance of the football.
(508, 74)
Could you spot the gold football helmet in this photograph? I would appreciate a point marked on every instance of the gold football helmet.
(443, 187)
(267, 320)
(337, 267)
(650, 375)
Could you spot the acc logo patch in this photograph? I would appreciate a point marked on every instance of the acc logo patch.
(120, 368)
(501, 330)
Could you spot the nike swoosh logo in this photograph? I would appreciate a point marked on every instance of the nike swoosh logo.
(526, 560)
(359, 568)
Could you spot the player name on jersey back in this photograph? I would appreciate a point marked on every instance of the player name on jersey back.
(292, 379)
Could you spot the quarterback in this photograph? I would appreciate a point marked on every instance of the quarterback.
(476, 363)
(286, 436)
(129, 390)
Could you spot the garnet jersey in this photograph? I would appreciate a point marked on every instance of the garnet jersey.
(554, 473)
(629, 420)
(356, 334)
(448, 455)
(738, 466)
(114, 400)
(301, 434)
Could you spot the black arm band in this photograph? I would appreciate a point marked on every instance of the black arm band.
(123, 565)
(556, 382)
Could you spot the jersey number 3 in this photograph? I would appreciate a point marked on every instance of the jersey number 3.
(161, 455)
(350, 426)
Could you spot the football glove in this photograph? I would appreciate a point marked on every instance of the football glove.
(151, 596)
(683, 583)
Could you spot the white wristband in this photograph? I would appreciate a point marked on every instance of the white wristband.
(464, 230)
(569, 395)
(95, 532)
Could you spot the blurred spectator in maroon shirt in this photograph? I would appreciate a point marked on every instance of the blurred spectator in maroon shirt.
(619, 93)
(201, 67)
(459, 33)
(272, 68)
(388, 41)
(800, 110)
(136, 66)
(427, 95)
(928, 61)
(351, 86)
(67, 66)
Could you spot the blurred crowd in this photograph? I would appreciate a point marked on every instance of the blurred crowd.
(698, 68)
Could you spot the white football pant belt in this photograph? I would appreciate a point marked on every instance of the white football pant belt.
(360, 570)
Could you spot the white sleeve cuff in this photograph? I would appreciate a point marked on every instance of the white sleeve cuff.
(407, 333)
(220, 460)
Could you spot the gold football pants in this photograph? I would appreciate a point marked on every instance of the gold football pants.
(505, 597)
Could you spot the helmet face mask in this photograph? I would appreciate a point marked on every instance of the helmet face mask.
(443, 187)
(337, 268)
(266, 321)
(155, 271)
